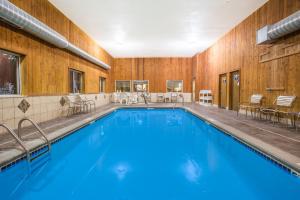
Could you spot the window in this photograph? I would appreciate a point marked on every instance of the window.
(174, 86)
(9, 73)
(76, 81)
(102, 84)
(140, 86)
(123, 86)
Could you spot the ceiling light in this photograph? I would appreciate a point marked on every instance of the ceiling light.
(119, 43)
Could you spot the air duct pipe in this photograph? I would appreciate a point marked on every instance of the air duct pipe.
(286, 26)
(16, 16)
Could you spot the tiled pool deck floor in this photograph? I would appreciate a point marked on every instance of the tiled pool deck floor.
(280, 142)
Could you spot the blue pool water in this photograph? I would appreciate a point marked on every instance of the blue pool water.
(142, 154)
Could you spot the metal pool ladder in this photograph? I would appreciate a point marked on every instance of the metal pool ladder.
(20, 142)
(41, 132)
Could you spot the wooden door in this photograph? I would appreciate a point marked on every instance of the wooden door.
(193, 90)
(234, 90)
(223, 91)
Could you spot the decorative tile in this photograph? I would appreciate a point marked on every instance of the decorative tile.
(62, 101)
(24, 105)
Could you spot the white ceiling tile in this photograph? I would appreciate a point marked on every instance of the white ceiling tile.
(147, 28)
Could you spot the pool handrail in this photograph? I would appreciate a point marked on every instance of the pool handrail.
(18, 139)
(37, 127)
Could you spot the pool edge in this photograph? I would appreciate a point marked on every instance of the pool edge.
(275, 154)
(58, 135)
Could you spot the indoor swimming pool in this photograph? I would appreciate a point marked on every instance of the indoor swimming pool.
(149, 154)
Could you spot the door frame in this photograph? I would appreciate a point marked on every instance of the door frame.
(219, 99)
(193, 89)
(230, 88)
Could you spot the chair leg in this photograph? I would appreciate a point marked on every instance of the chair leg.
(290, 118)
(256, 114)
(266, 116)
(68, 112)
(272, 118)
(259, 113)
(277, 118)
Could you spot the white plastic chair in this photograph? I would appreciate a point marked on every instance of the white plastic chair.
(123, 98)
(133, 98)
(174, 97)
(160, 97)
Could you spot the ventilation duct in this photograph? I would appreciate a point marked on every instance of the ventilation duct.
(16, 16)
(269, 33)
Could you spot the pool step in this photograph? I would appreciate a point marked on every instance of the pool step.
(39, 153)
(39, 162)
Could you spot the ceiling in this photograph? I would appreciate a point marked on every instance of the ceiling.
(156, 28)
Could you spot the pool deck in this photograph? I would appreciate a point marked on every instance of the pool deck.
(275, 141)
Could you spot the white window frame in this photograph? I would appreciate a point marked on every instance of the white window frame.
(174, 80)
(18, 75)
(100, 84)
(148, 83)
(83, 80)
(123, 80)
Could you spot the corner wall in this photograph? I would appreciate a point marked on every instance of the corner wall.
(44, 68)
(261, 71)
(156, 70)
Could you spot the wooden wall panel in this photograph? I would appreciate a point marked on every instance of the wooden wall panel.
(238, 50)
(156, 70)
(44, 68)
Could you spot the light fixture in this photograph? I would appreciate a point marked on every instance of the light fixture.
(119, 43)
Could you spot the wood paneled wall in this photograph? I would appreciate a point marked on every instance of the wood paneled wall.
(237, 50)
(44, 68)
(156, 70)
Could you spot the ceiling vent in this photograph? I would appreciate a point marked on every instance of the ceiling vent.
(286, 26)
(16, 16)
